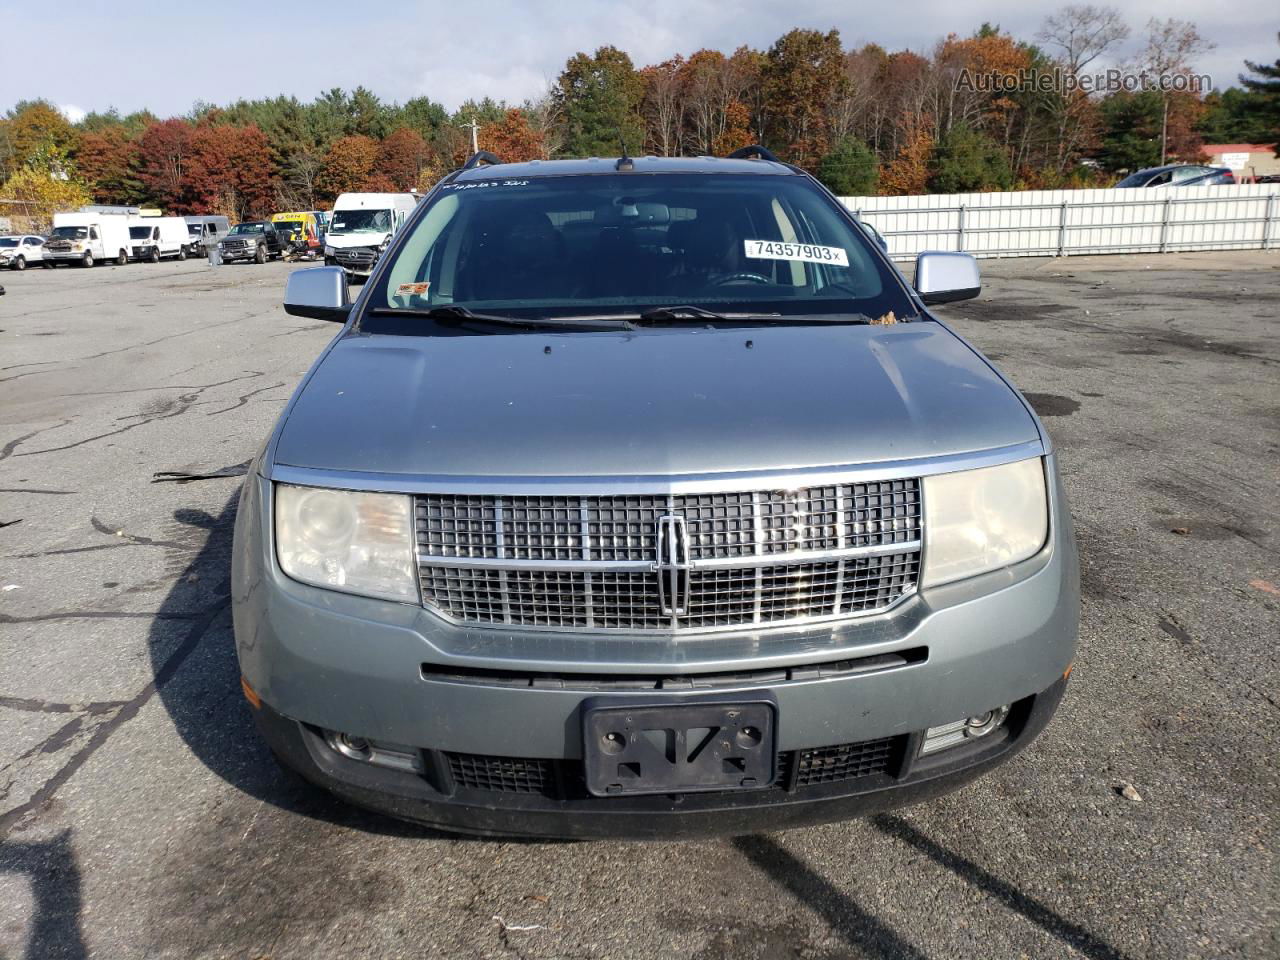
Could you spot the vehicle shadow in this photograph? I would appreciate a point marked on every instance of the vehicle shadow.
(198, 682)
(56, 891)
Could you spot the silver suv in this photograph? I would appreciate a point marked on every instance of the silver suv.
(644, 497)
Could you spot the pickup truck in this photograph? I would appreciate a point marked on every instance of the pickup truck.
(253, 240)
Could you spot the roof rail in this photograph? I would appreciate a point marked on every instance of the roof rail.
(481, 158)
(753, 152)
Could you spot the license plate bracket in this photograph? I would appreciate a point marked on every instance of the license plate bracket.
(679, 747)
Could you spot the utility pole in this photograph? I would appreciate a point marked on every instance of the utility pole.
(474, 127)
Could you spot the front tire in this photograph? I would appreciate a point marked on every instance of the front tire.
(87, 259)
(182, 253)
(122, 258)
(260, 256)
(20, 263)
(155, 255)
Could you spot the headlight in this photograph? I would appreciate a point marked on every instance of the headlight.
(328, 251)
(980, 520)
(355, 542)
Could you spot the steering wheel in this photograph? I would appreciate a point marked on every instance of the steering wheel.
(736, 277)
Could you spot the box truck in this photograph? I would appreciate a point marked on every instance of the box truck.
(87, 238)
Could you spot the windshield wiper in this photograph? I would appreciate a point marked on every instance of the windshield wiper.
(687, 313)
(459, 313)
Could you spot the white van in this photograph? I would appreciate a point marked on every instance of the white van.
(153, 238)
(361, 226)
(88, 238)
(203, 232)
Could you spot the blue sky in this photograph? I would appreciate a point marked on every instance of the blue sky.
(93, 55)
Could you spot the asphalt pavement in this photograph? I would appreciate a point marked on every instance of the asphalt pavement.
(141, 817)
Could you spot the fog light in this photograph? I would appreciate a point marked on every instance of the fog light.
(357, 748)
(957, 732)
(377, 752)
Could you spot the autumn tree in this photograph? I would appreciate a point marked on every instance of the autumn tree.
(165, 148)
(108, 161)
(907, 174)
(803, 76)
(230, 167)
(663, 106)
(348, 165)
(31, 197)
(401, 157)
(599, 98)
(38, 135)
(512, 138)
(1170, 49)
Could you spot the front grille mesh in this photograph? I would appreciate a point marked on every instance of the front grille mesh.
(565, 552)
(475, 771)
(847, 761)
(796, 769)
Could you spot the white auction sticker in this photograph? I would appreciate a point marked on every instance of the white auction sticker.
(807, 252)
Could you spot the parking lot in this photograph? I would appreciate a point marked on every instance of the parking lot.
(141, 817)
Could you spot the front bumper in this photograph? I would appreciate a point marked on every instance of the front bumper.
(506, 800)
(398, 673)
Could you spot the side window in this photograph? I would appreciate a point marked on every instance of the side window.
(1160, 178)
(93, 233)
(1188, 173)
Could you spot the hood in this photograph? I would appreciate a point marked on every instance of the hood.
(663, 401)
(355, 239)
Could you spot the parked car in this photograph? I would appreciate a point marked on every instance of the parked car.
(1222, 175)
(1174, 174)
(204, 231)
(18, 250)
(87, 238)
(156, 238)
(255, 240)
(646, 498)
(361, 227)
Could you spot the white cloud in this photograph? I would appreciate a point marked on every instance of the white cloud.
(73, 113)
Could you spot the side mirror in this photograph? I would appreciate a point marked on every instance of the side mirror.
(875, 235)
(943, 277)
(320, 293)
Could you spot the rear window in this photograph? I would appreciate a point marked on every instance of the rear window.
(620, 243)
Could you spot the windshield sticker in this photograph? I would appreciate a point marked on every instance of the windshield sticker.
(413, 289)
(481, 184)
(805, 252)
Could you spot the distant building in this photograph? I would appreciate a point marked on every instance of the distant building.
(1245, 159)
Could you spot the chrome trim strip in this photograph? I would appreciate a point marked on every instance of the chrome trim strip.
(655, 484)
(684, 633)
(747, 561)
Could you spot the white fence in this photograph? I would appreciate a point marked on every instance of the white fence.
(1049, 223)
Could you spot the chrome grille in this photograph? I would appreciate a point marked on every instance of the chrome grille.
(748, 558)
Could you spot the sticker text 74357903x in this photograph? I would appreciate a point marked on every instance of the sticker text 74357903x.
(807, 252)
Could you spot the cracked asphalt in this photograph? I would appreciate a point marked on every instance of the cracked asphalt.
(140, 817)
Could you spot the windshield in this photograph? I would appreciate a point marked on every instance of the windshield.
(70, 233)
(361, 221)
(626, 243)
(1135, 179)
(139, 233)
(249, 228)
(287, 226)
(8, 241)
